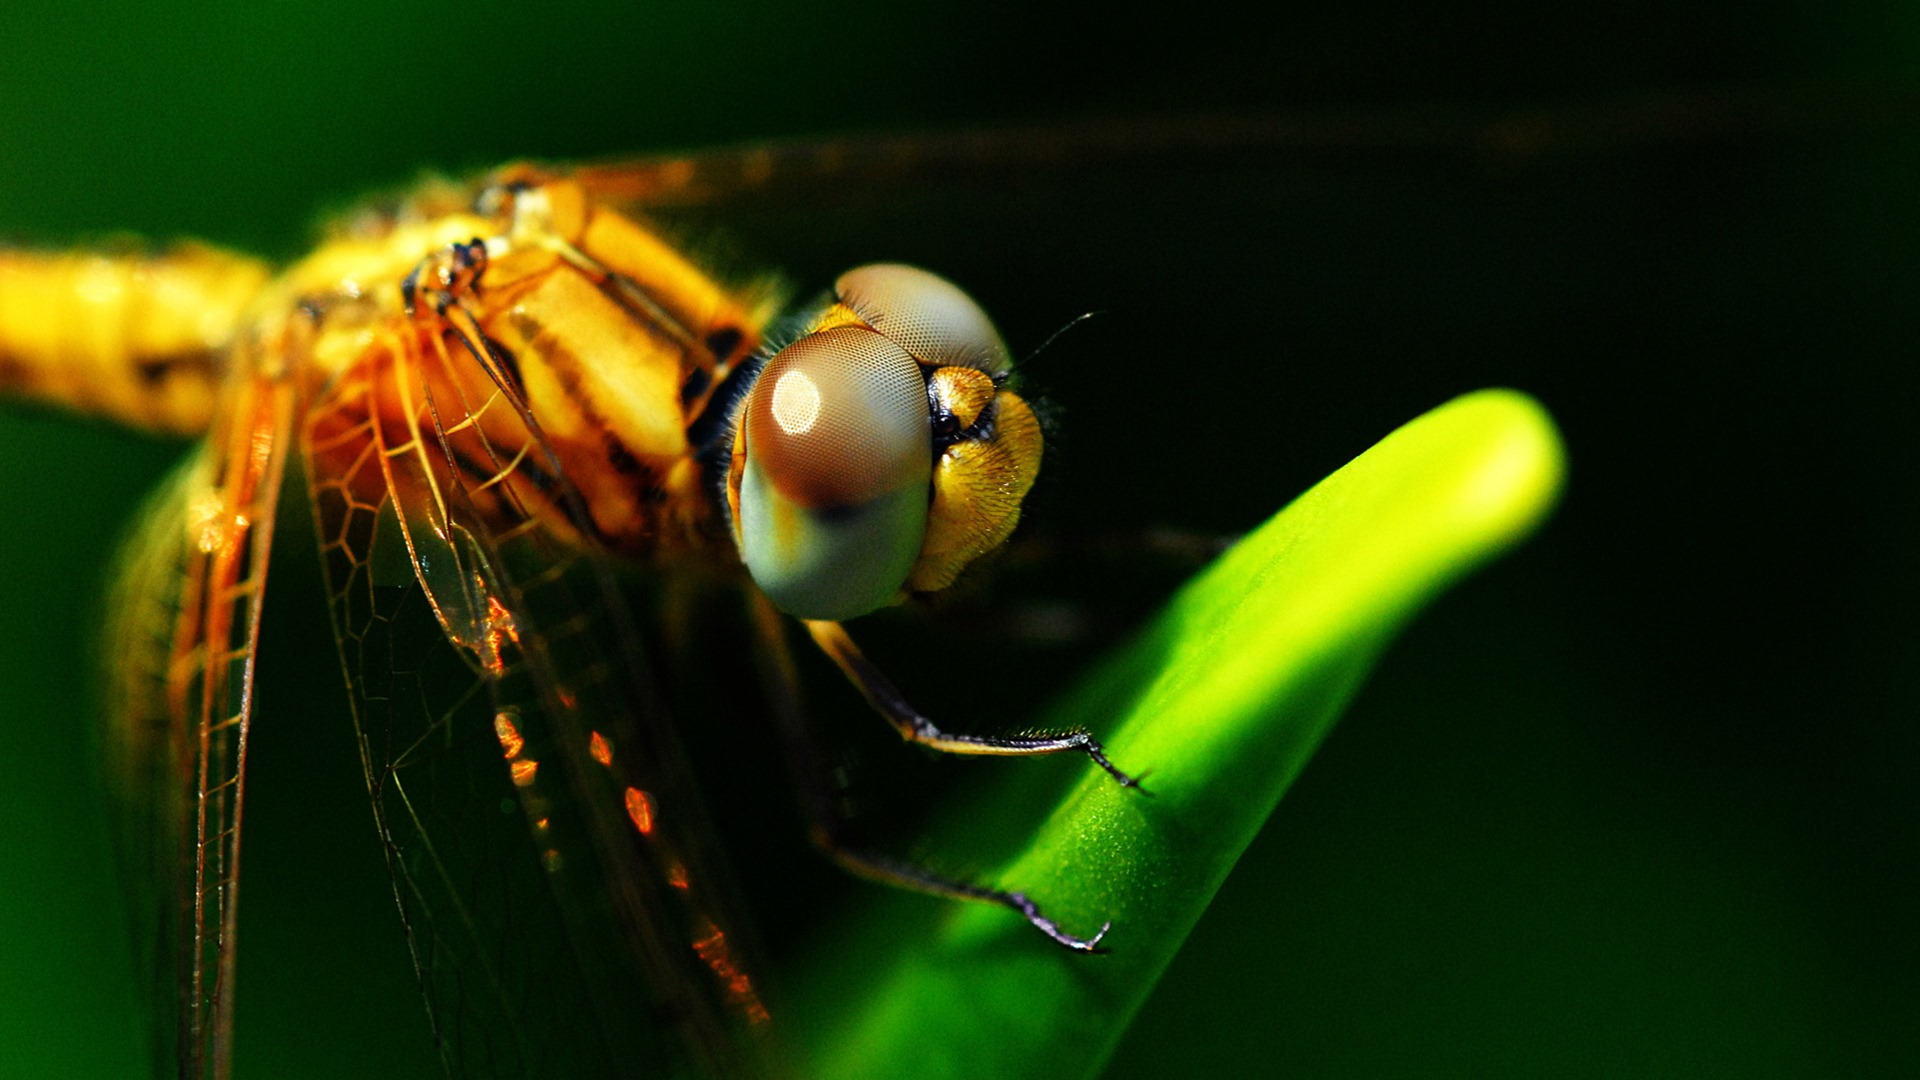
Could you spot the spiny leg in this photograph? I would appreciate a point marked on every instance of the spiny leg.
(827, 827)
(891, 704)
(906, 875)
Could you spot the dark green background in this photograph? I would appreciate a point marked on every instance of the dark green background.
(1639, 800)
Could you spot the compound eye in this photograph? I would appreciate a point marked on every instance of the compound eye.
(834, 490)
(839, 418)
(925, 314)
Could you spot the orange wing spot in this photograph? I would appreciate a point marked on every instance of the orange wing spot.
(677, 875)
(601, 749)
(499, 618)
(508, 733)
(551, 860)
(523, 771)
(640, 810)
(713, 950)
(542, 824)
(500, 629)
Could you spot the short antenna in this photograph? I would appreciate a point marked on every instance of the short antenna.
(1055, 336)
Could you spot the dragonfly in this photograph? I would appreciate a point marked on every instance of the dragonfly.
(504, 397)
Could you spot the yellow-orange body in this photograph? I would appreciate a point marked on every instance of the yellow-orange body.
(138, 338)
(615, 339)
(488, 384)
(579, 334)
(477, 375)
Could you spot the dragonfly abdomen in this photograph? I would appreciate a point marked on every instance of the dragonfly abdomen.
(136, 337)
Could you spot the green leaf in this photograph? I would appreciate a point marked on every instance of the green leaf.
(1220, 703)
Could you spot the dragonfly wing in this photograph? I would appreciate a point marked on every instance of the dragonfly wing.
(862, 167)
(183, 647)
(544, 849)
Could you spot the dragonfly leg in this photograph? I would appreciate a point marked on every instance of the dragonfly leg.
(827, 824)
(906, 875)
(913, 727)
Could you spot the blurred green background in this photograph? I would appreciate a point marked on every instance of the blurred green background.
(1640, 799)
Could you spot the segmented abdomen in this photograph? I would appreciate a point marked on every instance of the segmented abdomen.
(135, 337)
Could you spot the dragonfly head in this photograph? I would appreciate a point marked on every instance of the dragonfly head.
(881, 452)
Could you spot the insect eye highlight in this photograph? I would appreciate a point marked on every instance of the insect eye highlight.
(832, 492)
(838, 418)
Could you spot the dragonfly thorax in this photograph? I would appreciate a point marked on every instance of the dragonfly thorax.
(571, 365)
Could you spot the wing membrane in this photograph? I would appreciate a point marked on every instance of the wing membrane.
(188, 624)
(508, 734)
(859, 166)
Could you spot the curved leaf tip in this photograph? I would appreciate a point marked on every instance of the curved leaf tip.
(1222, 701)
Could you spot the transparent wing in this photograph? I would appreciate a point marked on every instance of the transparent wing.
(860, 166)
(546, 853)
(182, 694)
